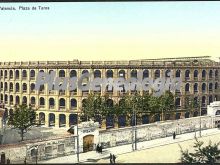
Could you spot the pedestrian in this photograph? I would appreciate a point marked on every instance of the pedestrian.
(110, 158)
(174, 135)
(113, 158)
(101, 149)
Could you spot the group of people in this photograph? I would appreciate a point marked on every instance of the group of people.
(99, 148)
(112, 158)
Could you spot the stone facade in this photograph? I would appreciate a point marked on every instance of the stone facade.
(199, 75)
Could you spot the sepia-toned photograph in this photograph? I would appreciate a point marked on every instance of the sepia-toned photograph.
(109, 82)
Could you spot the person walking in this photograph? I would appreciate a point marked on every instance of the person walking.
(110, 158)
(174, 135)
(113, 158)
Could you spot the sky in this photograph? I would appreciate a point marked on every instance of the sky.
(109, 31)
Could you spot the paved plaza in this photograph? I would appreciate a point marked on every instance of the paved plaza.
(163, 150)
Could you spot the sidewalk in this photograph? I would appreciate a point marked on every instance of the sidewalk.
(92, 156)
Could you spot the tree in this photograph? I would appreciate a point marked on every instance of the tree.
(203, 154)
(22, 118)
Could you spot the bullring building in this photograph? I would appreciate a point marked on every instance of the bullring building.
(199, 75)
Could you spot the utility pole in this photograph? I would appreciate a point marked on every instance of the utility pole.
(77, 142)
(134, 130)
(200, 120)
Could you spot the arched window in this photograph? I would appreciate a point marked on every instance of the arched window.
(17, 100)
(32, 73)
(6, 98)
(61, 73)
(216, 73)
(203, 74)
(62, 102)
(178, 73)
(24, 73)
(73, 103)
(32, 100)
(11, 99)
(2, 85)
(177, 102)
(157, 74)
(109, 74)
(17, 74)
(168, 73)
(42, 101)
(11, 74)
(24, 87)
(85, 71)
(32, 86)
(196, 87)
(203, 100)
(51, 102)
(210, 86)
(210, 74)
(1, 74)
(145, 74)
(6, 86)
(6, 73)
(134, 73)
(97, 73)
(216, 86)
(195, 73)
(73, 73)
(187, 73)
(187, 87)
(203, 87)
(121, 73)
(24, 100)
(11, 86)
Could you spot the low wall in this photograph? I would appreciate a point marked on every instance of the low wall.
(50, 148)
(121, 136)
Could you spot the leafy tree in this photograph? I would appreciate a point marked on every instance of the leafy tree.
(203, 154)
(166, 102)
(22, 118)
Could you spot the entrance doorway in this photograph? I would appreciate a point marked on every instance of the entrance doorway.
(88, 142)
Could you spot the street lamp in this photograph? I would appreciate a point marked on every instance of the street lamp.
(71, 131)
(134, 131)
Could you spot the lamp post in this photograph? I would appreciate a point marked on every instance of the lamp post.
(134, 130)
(77, 142)
(200, 120)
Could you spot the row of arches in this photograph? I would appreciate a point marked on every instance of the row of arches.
(4, 86)
(109, 73)
(211, 86)
(73, 101)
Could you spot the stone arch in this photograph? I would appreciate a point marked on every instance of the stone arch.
(97, 73)
(62, 120)
(24, 73)
(62, 102)
(109, 74)
(157, 73)
(134, 73)
(121, 73)
(73, 103)
(73, 73)
(51, 119)
(187, 74)
(62, 73)
(145, 73)
(73, 119)
(41, 118)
